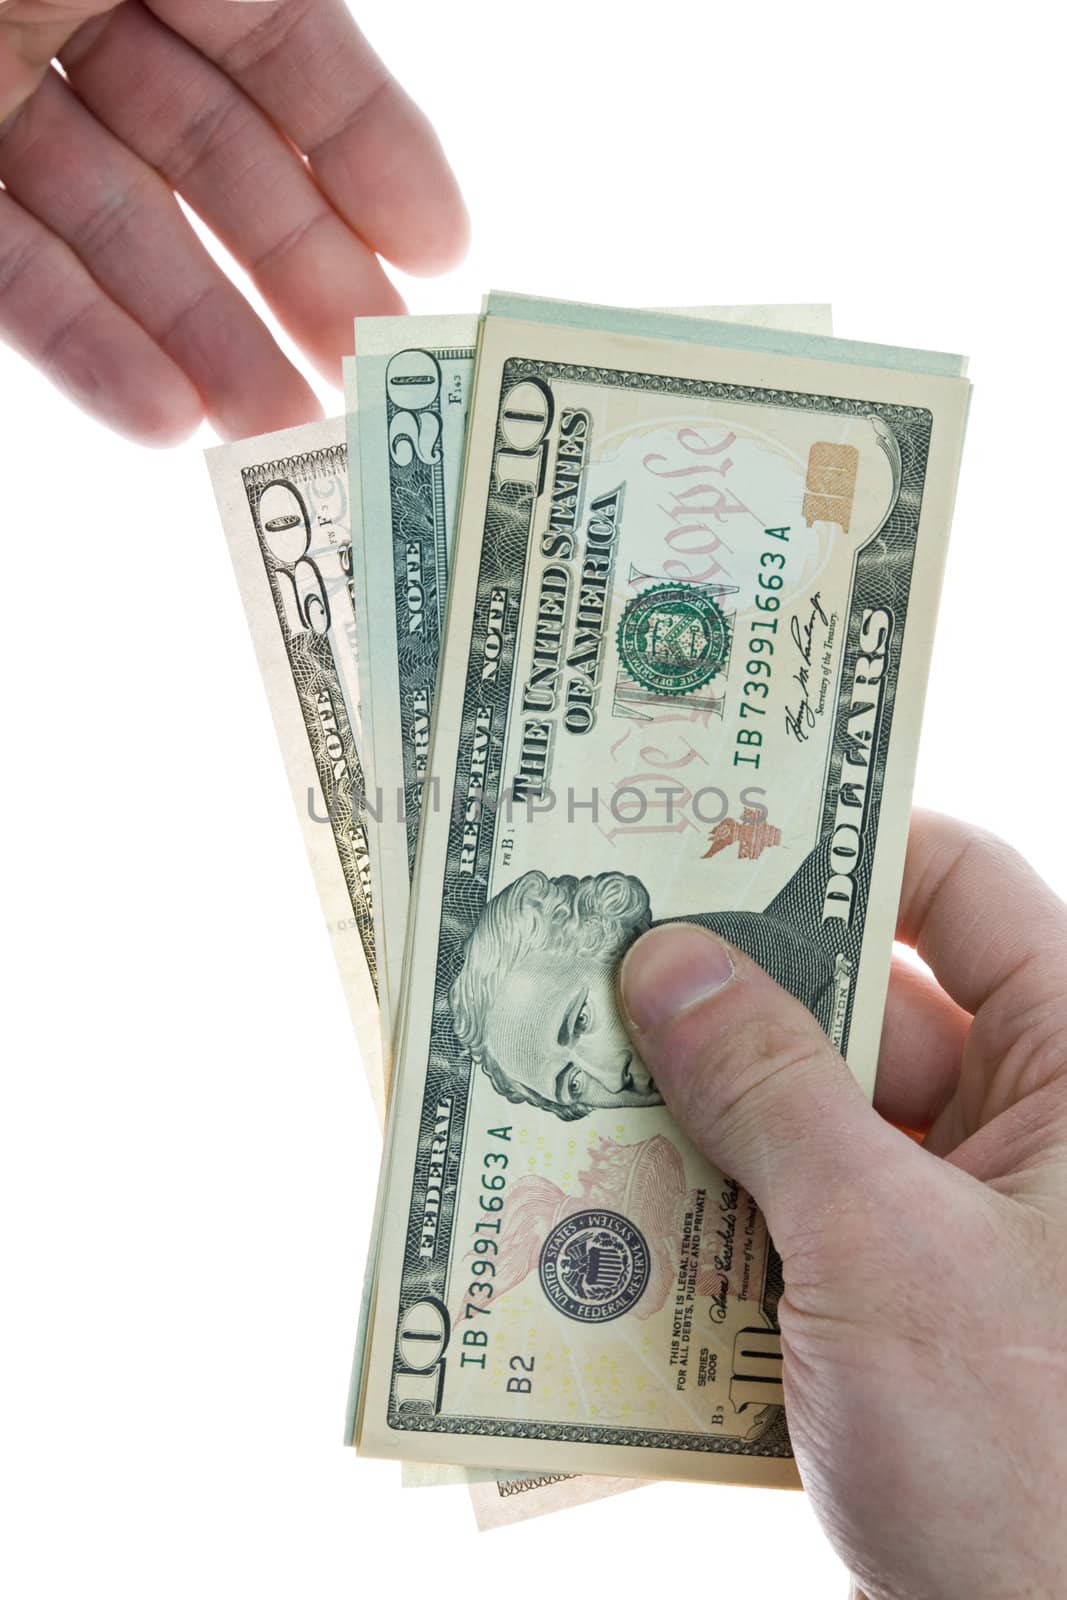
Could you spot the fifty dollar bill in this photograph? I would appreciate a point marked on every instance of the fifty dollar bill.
(284, 504)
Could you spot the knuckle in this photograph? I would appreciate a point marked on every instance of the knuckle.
(24, 122)
(202, 309)
(1021, 1031)
(992, 844)
(951, 853)
(11, 114)
(19, 261)
(281, 249)
(265, 38)
(107, 223)
(205, 130)
(23, 74)
(60, 348)
(988, 856)
(366, 103)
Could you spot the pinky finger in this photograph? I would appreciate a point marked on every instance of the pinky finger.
(54, 314)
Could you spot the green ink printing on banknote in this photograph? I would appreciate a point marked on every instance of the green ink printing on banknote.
(673, 638)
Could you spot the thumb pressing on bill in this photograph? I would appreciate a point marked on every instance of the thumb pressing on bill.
(878, 1239)
(754, 1081)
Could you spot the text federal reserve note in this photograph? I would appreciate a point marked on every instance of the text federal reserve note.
(285, 509)
(413, 378)
(691, 613)
(408, 395)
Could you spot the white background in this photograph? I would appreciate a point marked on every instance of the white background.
(188, 1151)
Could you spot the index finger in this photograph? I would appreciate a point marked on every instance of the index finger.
(371, 150)
(976, 911)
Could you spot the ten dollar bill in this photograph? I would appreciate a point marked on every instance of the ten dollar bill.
(691, 615)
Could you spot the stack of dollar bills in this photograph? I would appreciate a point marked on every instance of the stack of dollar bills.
(585, 619)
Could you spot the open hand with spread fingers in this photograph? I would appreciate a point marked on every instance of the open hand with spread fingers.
(276, 123)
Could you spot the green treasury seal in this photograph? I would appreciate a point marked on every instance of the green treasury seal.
(673, 638)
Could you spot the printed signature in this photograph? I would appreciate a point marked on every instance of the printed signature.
(800, 719)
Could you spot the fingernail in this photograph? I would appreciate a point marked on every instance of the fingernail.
(670, 969)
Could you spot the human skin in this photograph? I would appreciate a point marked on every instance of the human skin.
(924, 1319)
(276, 123)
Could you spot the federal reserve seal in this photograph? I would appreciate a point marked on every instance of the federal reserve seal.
(594, 1266)
(673, 638)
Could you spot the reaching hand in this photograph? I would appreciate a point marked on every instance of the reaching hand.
(279, 126)
(924, 1320)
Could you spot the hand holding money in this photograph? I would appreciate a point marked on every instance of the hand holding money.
(922, 1317)
(732, 583)
(692, 594)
